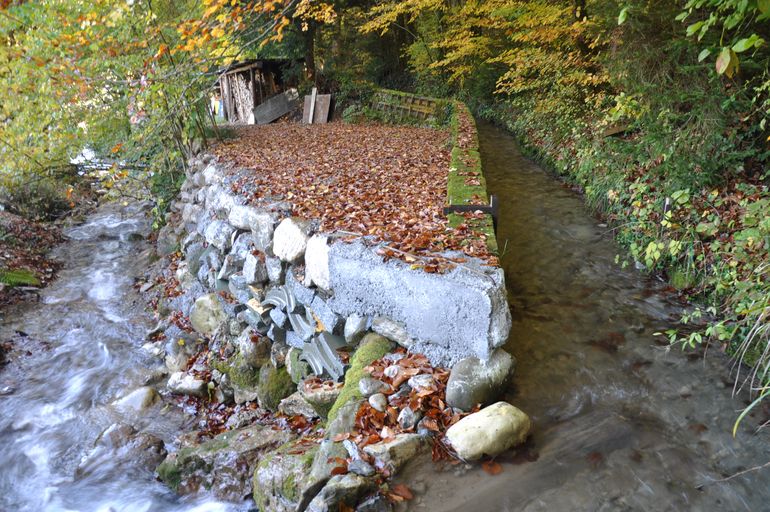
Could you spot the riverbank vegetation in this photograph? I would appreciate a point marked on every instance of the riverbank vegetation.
(655, 110)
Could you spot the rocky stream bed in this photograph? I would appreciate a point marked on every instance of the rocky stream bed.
(107, 408)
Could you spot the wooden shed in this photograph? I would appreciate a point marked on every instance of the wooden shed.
(244, 85)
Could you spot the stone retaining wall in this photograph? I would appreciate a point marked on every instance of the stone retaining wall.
(292, 283)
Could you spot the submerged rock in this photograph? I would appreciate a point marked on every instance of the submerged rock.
(491, 431)
(473, 382)
(121, 445)
(222, 465)
(137, 401)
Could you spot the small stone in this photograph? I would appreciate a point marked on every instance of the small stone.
(360, 467)
(396, 452)
(422, 381)
(391, 371)
(473, 382)
(254, 270)
(219, 234)
(357, 464)
(321, 397)
(369, 386)
(275, 269)
(182, 383)
(402, 392)
(379, 402)
(491, 431)
(355, 328)
(392, 330)
(408, 418)
(254, 349)
(296, 405)
(291, 238)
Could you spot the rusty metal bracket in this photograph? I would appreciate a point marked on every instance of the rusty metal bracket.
(492, 209)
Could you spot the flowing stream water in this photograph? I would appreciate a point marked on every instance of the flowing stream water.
(82, 344)
(620, 421)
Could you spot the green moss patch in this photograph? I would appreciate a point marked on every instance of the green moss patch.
(372, 347)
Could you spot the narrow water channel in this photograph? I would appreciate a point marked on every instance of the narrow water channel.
(620, 422)
(80, 350)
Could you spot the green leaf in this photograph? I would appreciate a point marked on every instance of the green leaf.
(744, 44)
(624, 15)
(763, 6)
(692, 29)
(748, 409)
(704, 54)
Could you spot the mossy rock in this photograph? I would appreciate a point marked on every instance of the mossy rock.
(372, 347)
(275, 384)
(281, 480)
(221, 465)
(298, 370)
(241, 373)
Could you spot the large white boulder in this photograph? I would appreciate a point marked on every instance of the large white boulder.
(491, 431)
(291, 238)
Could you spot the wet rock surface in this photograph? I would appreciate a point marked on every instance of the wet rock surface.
(222, 465)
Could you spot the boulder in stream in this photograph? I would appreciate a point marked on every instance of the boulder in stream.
(121, 445)
(473, 381)
(491, 431)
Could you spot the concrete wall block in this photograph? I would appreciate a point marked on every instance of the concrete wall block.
(450, 316)
(317, 262)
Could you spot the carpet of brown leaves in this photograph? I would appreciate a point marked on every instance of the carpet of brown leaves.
(388, 182)
(24, 245)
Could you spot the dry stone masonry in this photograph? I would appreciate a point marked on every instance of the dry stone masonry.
(273, 303)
